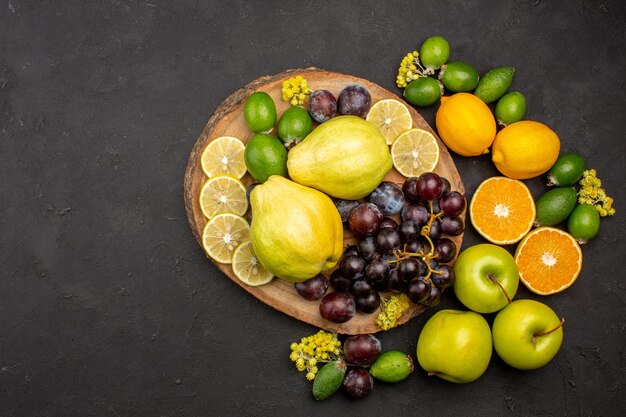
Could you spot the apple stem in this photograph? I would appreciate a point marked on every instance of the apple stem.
(494, 279)
(536, 335)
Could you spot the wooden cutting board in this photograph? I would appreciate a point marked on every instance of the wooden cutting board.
(228, 120)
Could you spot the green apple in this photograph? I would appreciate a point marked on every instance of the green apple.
(486, 278)
(527, 334)
(455, 345)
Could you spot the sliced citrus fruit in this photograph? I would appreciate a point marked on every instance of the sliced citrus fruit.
(223, 194)
(222, 234)
(549, 260)
(391, 117)
(502, 210)
(224, 155)
(247, 267)
(414, 152)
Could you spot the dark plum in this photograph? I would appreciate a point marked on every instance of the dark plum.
(365, 219)
(389, 223)
(367, 303)
(352, 266)
(418, 290)
(362, 349)
(338, 307)
(409, 231)
(339, 281)
(322, 105)
(354, 100)
(313, 288)
(409, 188)
(345, 207)
(367, 248)
(387, 240)
(415, 213)
(443, 277)
(358, 383)
(451, 226)
(429, 186)
(452, 203)
(388, 197)
(445, 250)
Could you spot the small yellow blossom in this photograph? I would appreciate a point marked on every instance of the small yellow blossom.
(392, 310)
(592, 193)
(319, 347)
(295, 90)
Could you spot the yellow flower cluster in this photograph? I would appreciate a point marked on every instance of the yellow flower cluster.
(591, 192)
(409, 70)
(295, 90)
(320, 347)
(392, 310)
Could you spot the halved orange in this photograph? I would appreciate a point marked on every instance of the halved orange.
(549, 260)
(502, 210)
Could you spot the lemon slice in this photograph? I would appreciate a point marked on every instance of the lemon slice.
(391, 117)
(247, 267)
(224, 155)
(415, 152)
(222, 234)
(223, 194)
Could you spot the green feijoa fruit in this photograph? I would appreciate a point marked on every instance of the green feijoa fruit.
(510, 108)
(423, 92)
(329, 379)
(264, 156)
(567, 170)
(458, 77)
(259, 112)
(584, 223)
(434, 52)
(393, 366)
(494, 84)
(294, 125)
(555, 205)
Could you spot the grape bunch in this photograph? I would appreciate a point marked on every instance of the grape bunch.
(409, 255)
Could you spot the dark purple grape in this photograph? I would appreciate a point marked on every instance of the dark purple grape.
(434, 298)
(388, 197)
(433, 263)
(451, 226)
(358, 383)
(322, 106)
(445, 250)
(345, 207)
(351, 250)
(387, 240)
(409, 231)
(338, 307)
(415, 213)
(313, 288)
(381, 286)
(365, 219)
(362, 287)
(339, 281)
(367, 303)
(388, 257)
(436, 207)
(410, 269)
(377, 270)
(418, 290)
(415, 246)
(395, 282)
(443, 277)
(362, 349)
(367, 248)
(429, 186)
(452, 203)
(352, 266)
(389, 223)
(435, 231)
(409, 188)
(446, 184)
(354, 100)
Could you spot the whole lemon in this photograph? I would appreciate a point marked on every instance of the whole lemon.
(525, 149)
(465, 124)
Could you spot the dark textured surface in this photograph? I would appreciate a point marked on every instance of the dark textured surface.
(108, 307)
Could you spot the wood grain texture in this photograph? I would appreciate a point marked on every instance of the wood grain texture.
(228, 120)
